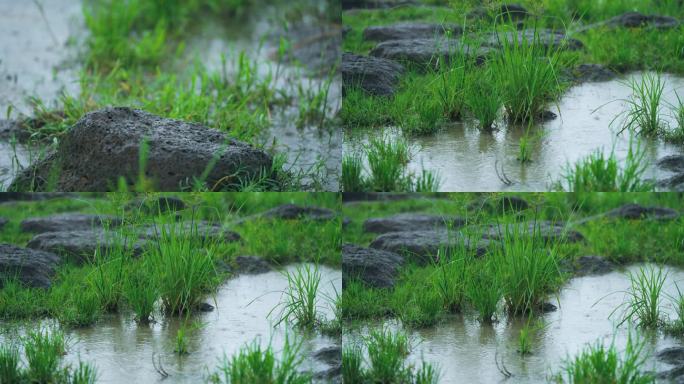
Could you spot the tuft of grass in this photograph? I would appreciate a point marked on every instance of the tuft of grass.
(598, 173)
(645, 105)
(10, 369)
(387, 160)
(140, 292)
(676, 135)
(352, 173)
(482, 98)
(526, 77)
(181, 260)
(181, 341)
(301, 296)
(386, 353)
(601, 364)
(484, 293)
(524, 151)
(44, 350)
(352, 365)
(645, 298)
(252, 364)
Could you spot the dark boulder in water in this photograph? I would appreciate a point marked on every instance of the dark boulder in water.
(31, 267)
(376, 268)
(403, 31)
(585, 73)
(374, 75)
(411, 222)
(105, 145)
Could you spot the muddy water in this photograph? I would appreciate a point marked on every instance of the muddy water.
(122, 351)
(465, 351)
(465, 158)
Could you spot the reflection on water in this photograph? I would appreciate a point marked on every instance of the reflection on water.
(465, 158)
(465, 351)
(122, 351)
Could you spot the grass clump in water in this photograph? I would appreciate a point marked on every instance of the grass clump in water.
(645, 105)
(482, 98)
(601, 364)
(645, 298)
(254, 364)
(300, 305)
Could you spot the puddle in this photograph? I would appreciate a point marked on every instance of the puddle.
(465, 158)
(9, 155)
(122, 350)
(465, 351)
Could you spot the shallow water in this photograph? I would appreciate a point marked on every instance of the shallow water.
(465, 351)
(122, 351)
(465, 158)
(8, 156)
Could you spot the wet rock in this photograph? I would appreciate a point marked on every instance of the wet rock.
(330, 355)
(546, 230)
(638, 212)
(591, 265)
(429, 52)
(104, 146)
(548, 307)
(157, 205)
(33, 268)
(3, 222)
(403, 31)
(501, 205)
(544, 39)
(297, 212)
(585, 73)
(674, 375)
(80, 246)
(674, 183)
(638, 20)
(205, 307)
(68, 222)
(674, 163)
(251, 265)
(374, 75)
(422, 246)
(672, 355)
(203, 229)
(376, 268)
(411, 222)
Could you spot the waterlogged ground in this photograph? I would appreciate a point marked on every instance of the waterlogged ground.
(42, 61)
(466, 352)
(123, 351)
(467, 160)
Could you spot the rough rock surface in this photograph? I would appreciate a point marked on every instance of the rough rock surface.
(104, 145)
(545, 39)
(374, 75)
(428, 52)
(411, 222)
(404, 31)
(591, 265)
(295, 212)
(372, 4)
(68, 222)
(80, 246)
(376, 268)
(547, 230)
(637, 20)
(674, 183)
(673, 163)
(672, 355)
(33, 268)
(423, 246)
(585, 73)
(637, 212)
(251, 265)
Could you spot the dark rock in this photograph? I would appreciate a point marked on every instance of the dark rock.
(513, 12)
(104, 145)
(205, 307)
(674, 183)
(548, 231)
(202, 229)
(157, 205)
(592, 265)
(423, 246)
(68, 222)
(672, 355)
(348, 197)
(546, 116)
(404, 31)
(297, 212)
(548, 307)
(673, 374)
(429, 52)
(376, 268)
(584, 73)
(80, 246)
(28, 196)
(544, 39)
(637, 212)
(330, 355)
(638, 20)
(674, 163)
(31, 267)
(375, 4)
(3, 222)
(374, 75)
(411, 222)
(251, 265)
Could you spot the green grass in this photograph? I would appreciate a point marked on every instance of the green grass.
(600, 173)
(44, 350)
(255, 364)
(482, 98)
(140, 293)
(645, 105)
(645, 298)
(300, 302)
(600, 364)
(10, 369)
(484, 293)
